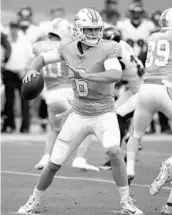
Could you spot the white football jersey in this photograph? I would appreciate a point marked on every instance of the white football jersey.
(34, 33)
(135, 34)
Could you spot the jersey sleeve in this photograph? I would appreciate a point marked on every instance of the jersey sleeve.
(114, 51)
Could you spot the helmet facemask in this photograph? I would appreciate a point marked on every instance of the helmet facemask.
(88, 39)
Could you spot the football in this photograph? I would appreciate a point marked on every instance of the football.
(33, 88)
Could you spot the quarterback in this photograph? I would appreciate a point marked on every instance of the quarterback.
(94, 68)
(156, 91)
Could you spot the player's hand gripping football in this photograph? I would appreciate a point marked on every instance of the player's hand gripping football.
(77, 73)
(31, 73)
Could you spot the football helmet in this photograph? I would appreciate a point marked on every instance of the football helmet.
(166, 19)
(136, 12)
(88, 18)
(112, 33)
(60, 27)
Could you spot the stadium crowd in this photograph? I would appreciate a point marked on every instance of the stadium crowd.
(18, 37)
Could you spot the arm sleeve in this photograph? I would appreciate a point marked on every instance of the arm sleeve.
(53, 56)
(112, 63)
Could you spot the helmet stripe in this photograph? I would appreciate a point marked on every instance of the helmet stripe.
(93, 15)
(89, 13)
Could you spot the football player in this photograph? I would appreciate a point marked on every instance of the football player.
(94, 68)
(25, 21)
(156, 91)
(131, 77)
(58, 88)
(136, 29)
(164, 176)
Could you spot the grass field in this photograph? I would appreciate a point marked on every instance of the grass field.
(76, 192)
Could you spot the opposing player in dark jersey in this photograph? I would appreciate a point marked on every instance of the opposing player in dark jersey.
(156, 91)
(94, 68)
(132, 70)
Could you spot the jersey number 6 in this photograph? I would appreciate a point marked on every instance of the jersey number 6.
(82, 87)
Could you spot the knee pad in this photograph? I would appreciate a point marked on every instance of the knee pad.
(60, 152)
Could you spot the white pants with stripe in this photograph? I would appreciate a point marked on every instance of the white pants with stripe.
(152, 98)
(77, 128)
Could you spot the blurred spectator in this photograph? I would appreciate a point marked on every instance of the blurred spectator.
(25, 21)
(110, 14)
(136, 29)
(14, 70)
(4, 57)
(163, 120)
(5, 49)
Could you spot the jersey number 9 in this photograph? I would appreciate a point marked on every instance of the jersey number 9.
(158, 53)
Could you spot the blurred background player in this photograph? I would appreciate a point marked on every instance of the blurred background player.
(164, 176)
(129, 86)
(164, 124)
(55, 12)
(26, 24)
(157, 84)
(58, 89)
(12, 74)
(135, 29)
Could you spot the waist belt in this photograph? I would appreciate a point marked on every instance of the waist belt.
(153, 81)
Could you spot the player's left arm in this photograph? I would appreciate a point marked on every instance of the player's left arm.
(113, 69)
(112, 73)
